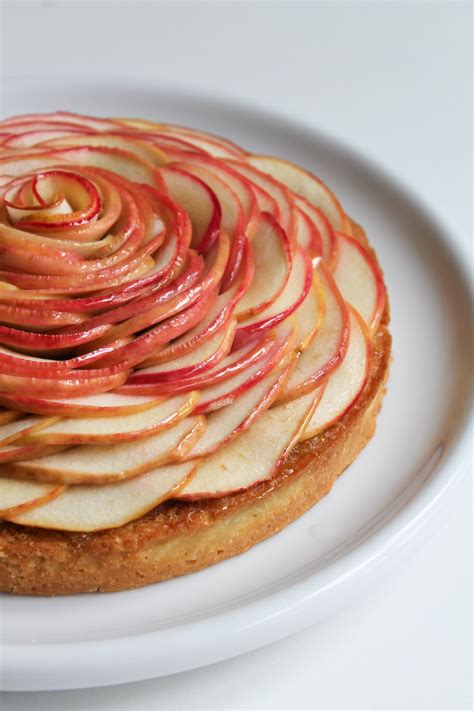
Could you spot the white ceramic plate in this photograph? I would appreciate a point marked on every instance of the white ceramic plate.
(313, 566)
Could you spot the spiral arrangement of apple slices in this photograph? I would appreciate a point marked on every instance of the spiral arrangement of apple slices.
(175, 314)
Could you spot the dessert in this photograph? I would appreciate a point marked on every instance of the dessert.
(193, 346)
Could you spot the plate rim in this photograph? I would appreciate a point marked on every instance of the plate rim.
(291, 603)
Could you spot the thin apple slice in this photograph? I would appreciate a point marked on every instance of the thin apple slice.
(347, 382)
(149, 311)
(308, 237)
(236, 363)
(37, 319)
(7, 415)
(295, 290)
(227, 422)
(232, 215)
(116, 160)
(43, 344)
(83, 382)
(359, 279)
(236, 182)
(210, 353)
(109, 404)
(131, 144)
(217, 316)
(92, 508)
(200, 203)
(272, 257)
(147, 344)
(309, 315)
(17, 363)
(28, 139)
(19, 452)
(327, 347)
(111, 463)
(305, 184)
(278, 193)
(55, 119)
(233, 220)
(214, 145)
(112, 430)
(254, 455)
(203, 312)
(18, 496)
(219, 394)
(322, 226)
(19, 429)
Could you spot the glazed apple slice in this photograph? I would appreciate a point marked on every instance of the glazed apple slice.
(233, 220)
(7, 415)
(173, 147)
(179, 278)
(235, 366)
(109, 404)
(30, 138)
(19, 429)
(24, 252)
(200, 203)
(214, 320)
(19, 452)
(227, 422)
(254, 455)
(359, 279)
(303, 183)
(116, 160)
(36, 318)
(222, 393)
(277, 192)
(143, 150)
(151, 308)
(111, 463)
(19, 496)
(44, 344)
(26, 364)
(214, 145)
(327, 347)
(94, 508)
(347, 382)
(238, 184)
(149, 311)
(295, 290)
(114, 430)
(72, 384)
(309, 315)
(272, 257)
(193, 363)
(147, 344)
(322, 226)
(57, 118)
(232, 214)
(308, 237)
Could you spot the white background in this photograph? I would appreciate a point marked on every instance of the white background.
(393, 80)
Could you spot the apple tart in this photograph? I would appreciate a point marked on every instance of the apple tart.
(194, 346)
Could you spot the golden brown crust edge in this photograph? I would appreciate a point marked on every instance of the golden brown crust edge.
(182, 537)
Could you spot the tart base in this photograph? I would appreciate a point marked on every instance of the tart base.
(182, 537)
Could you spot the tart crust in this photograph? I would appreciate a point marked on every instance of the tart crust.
(180, 537)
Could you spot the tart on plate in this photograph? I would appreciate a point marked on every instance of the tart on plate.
(193, 347)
